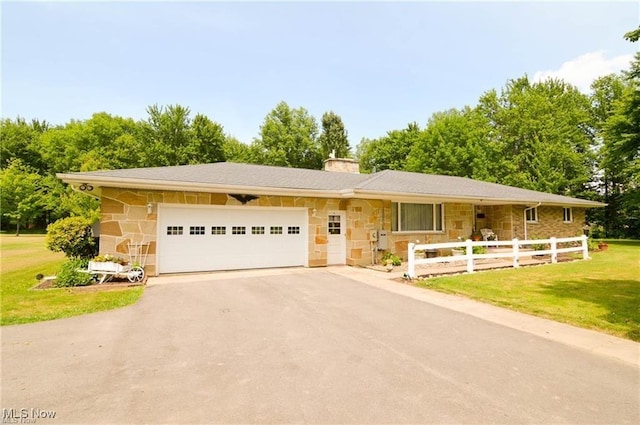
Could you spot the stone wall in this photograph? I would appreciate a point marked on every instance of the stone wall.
(458, 223)
(125, 220)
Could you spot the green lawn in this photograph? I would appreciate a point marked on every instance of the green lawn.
(602, 293)
(22, 259)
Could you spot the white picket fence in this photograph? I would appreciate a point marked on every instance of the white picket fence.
(516, 253)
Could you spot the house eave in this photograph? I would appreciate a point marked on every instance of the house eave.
(97, 183)
(126, 183)
(476, 200)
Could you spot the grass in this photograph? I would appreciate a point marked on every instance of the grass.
(602, 293)
(24, 257)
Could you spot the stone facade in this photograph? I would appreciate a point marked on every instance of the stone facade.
(125, 219)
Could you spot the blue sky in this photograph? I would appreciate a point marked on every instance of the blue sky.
(379, 65)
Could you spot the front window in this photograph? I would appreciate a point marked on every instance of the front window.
(416, 217)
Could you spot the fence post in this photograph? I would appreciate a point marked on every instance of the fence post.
(411, 267)
(469, 253)
(585, 248)
(516, 253)
(554, 250)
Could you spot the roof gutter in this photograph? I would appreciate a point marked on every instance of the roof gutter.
(413, 197)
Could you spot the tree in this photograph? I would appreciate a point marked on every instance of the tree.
(454, 143)
(170, 137)
(101, 142)
(542, 135)
(236, 151)
(333, 138)
(23, 194)
(206, 143)
(288, 138)
(612, 177)
(165, 133)
(389, 152)
(621, 153)
(19, 141)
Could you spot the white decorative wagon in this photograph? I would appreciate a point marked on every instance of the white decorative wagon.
(133, 270)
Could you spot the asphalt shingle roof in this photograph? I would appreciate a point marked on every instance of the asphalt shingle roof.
(439, 185)
(388, 181)
(234, 174)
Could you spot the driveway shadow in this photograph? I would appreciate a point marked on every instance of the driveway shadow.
(620, 298)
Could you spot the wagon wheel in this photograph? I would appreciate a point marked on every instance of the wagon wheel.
(136, 274)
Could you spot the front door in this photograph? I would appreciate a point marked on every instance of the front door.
(336, 238)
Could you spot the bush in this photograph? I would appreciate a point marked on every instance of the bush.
(70, 276)
(394, 259)
(71, 235)
(479, 250)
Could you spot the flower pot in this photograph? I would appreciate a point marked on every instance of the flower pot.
(603, 246)
(430, 253)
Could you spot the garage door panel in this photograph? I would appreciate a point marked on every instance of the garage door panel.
(230, 238)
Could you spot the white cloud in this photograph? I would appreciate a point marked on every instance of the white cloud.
(582, 70)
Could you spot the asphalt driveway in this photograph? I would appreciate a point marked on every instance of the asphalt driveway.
(306, 346)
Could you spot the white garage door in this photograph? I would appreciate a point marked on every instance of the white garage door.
(195, 238)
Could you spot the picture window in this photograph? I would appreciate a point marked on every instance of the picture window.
(416, 217)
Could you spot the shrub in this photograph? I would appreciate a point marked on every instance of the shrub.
(390, 257)
(479, 250)
(71, 235)
(70, 276)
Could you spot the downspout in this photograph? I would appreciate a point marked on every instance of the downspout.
(525, 218)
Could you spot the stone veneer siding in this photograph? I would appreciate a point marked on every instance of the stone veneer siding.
(125, 219)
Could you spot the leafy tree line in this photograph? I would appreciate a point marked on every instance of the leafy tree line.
(33, 152)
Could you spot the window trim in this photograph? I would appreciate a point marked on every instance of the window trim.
(534, 211)
(435, 224)
(564, 214)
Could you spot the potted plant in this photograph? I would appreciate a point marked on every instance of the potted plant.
(476, 236)
(603, 246)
